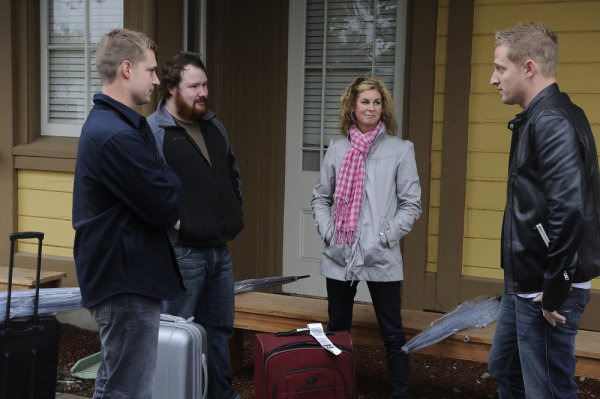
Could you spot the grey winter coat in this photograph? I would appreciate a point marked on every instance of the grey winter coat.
(391, 204)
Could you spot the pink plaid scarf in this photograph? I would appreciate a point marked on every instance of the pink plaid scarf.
(350, 182)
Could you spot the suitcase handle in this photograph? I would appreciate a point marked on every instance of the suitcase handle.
(26, 234)
(175, 319)
(14, 237)
(297, 331)
(204, 376)
(291, 332)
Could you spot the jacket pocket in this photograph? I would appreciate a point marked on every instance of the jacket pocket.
(389, 233)
(329, 232)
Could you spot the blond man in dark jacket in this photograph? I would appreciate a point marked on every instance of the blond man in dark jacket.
(551, 229)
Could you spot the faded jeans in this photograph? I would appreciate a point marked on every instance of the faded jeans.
(128, 326)
(530, 358)
(208, 278)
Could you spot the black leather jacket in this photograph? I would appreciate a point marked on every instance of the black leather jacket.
(553, 179)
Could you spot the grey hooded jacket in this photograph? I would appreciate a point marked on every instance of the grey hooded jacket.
(391, 204)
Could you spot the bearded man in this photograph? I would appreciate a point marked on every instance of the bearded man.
(195, 144)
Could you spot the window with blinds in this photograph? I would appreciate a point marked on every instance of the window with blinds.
(343, 39)
(70, 33)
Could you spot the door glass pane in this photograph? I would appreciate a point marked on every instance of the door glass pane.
(315, 15)
(105, 15)
(336, 82)
(311, 160)
(313, 88)
(67, 83)
(95, 81)
(360, 39)
(66, 22)
(385, 41)
(350, 32)
(387, 76)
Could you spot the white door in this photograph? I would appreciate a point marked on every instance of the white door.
(330, 43)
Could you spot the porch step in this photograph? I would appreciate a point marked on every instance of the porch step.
(265, 312)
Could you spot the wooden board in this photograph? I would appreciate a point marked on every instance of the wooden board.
(24, 279)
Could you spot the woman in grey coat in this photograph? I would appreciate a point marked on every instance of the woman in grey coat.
(367, 198)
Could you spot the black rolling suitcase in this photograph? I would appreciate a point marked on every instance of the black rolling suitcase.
(28, 345)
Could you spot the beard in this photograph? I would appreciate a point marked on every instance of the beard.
(191, 112)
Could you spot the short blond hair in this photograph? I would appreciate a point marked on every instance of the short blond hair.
(532, 41)
(117, 46)
(348, 101)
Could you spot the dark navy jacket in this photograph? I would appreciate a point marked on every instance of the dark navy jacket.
(123, 200)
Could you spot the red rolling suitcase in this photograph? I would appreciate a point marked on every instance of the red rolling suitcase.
(296, 366)
(28, 345)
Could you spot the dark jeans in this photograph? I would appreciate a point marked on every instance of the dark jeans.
(530, 358)
(208, 278)
(387, 300)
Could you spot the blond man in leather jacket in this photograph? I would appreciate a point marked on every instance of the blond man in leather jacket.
(553, 187)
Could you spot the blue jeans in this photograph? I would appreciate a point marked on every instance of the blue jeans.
(530, 358)
(208, 279)
(128, 326)
(387, 300)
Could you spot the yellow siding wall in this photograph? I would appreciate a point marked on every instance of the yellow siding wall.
(577, 25)
(436, 145)
(44, 204)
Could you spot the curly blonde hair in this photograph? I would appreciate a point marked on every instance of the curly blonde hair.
(348, 101)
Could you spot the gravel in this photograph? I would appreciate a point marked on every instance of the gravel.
(431, 376)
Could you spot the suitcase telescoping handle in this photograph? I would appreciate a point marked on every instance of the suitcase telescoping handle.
(291, 332)
(297, 331)
(204, 376)
(14, 237)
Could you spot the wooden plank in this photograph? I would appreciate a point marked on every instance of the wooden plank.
(50, 163)
(478, 352)
(586, 367)
(23, 279)
(587, 344)
(50, 262)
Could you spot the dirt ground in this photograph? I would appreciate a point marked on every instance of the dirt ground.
(431, 376)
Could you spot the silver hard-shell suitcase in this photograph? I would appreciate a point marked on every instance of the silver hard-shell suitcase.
(181, 369)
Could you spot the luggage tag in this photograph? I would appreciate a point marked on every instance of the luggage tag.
(316, 330)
